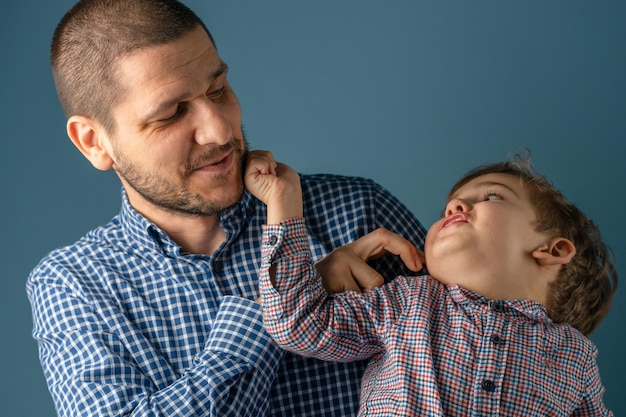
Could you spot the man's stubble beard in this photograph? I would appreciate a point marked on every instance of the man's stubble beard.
(160, 192)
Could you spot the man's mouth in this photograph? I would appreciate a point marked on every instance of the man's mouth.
(220, 160)
(216, 159)
(219, 164)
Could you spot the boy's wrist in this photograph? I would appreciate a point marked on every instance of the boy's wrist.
(284, 208)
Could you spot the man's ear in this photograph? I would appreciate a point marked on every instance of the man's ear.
(89, 137)
(556, 251)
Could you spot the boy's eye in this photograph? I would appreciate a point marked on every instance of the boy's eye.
(491, 196)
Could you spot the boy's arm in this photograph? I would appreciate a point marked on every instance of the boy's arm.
(278, 186)
(351, 261)
(300, 315)
(275, 184)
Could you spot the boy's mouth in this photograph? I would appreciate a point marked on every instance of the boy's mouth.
(454, 218)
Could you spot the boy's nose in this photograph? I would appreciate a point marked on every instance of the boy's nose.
(457, 205)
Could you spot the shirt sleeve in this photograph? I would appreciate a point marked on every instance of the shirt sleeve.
(393, 215)
(593, 391)
(303, 318)
(91, 371)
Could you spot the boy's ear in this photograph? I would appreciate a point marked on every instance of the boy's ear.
(556, 251)
(88, 136)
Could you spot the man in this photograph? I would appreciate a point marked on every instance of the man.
(154, 313)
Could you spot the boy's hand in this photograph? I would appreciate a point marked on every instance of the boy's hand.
(274, 183)
(345, 268)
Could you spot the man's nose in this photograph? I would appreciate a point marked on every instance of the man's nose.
(212, 125)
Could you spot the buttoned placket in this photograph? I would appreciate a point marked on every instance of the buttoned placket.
(491, 359)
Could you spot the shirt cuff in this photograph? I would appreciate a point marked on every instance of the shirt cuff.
(289, 238)
(285, 246)
(238, 331)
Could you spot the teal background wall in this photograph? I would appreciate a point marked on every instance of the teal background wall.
(409, 93)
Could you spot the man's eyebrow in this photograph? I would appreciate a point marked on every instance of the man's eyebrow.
(221, 69)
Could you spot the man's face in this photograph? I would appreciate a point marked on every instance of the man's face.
(488, 224)
(178, 144)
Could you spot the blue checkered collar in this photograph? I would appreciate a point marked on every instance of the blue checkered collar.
(144, 236)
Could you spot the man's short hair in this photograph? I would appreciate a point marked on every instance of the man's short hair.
(91, 38)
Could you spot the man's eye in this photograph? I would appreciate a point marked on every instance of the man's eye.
(176, 115)
(216, 94)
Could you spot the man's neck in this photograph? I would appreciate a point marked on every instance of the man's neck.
(200, 235)
(194, 234)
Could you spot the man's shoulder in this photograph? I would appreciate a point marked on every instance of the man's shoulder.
(321, 180)
(332, 184)
(96, 246)
(334, 194)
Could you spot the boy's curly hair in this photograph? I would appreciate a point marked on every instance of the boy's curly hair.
(582, 294)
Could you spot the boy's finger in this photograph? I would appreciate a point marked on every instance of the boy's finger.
(365, 276)
(381, 241)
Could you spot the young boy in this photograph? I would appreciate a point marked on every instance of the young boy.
(517, 277)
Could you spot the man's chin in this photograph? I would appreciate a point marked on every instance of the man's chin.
(218, 203)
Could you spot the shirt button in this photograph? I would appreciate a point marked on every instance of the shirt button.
(488, 385)
(217, 267)
(497, 340)
(497, 306)
(273, 240)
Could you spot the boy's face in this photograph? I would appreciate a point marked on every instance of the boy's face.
(489, 228)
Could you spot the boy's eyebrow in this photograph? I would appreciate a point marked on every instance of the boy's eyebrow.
(492, 183)
(221, 69)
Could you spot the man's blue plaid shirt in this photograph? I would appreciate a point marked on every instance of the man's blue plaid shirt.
(128, 324)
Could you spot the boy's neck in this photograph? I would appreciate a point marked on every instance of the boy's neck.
(509, 284)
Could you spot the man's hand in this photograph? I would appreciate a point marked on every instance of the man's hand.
(345, 268)
(276, 184)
